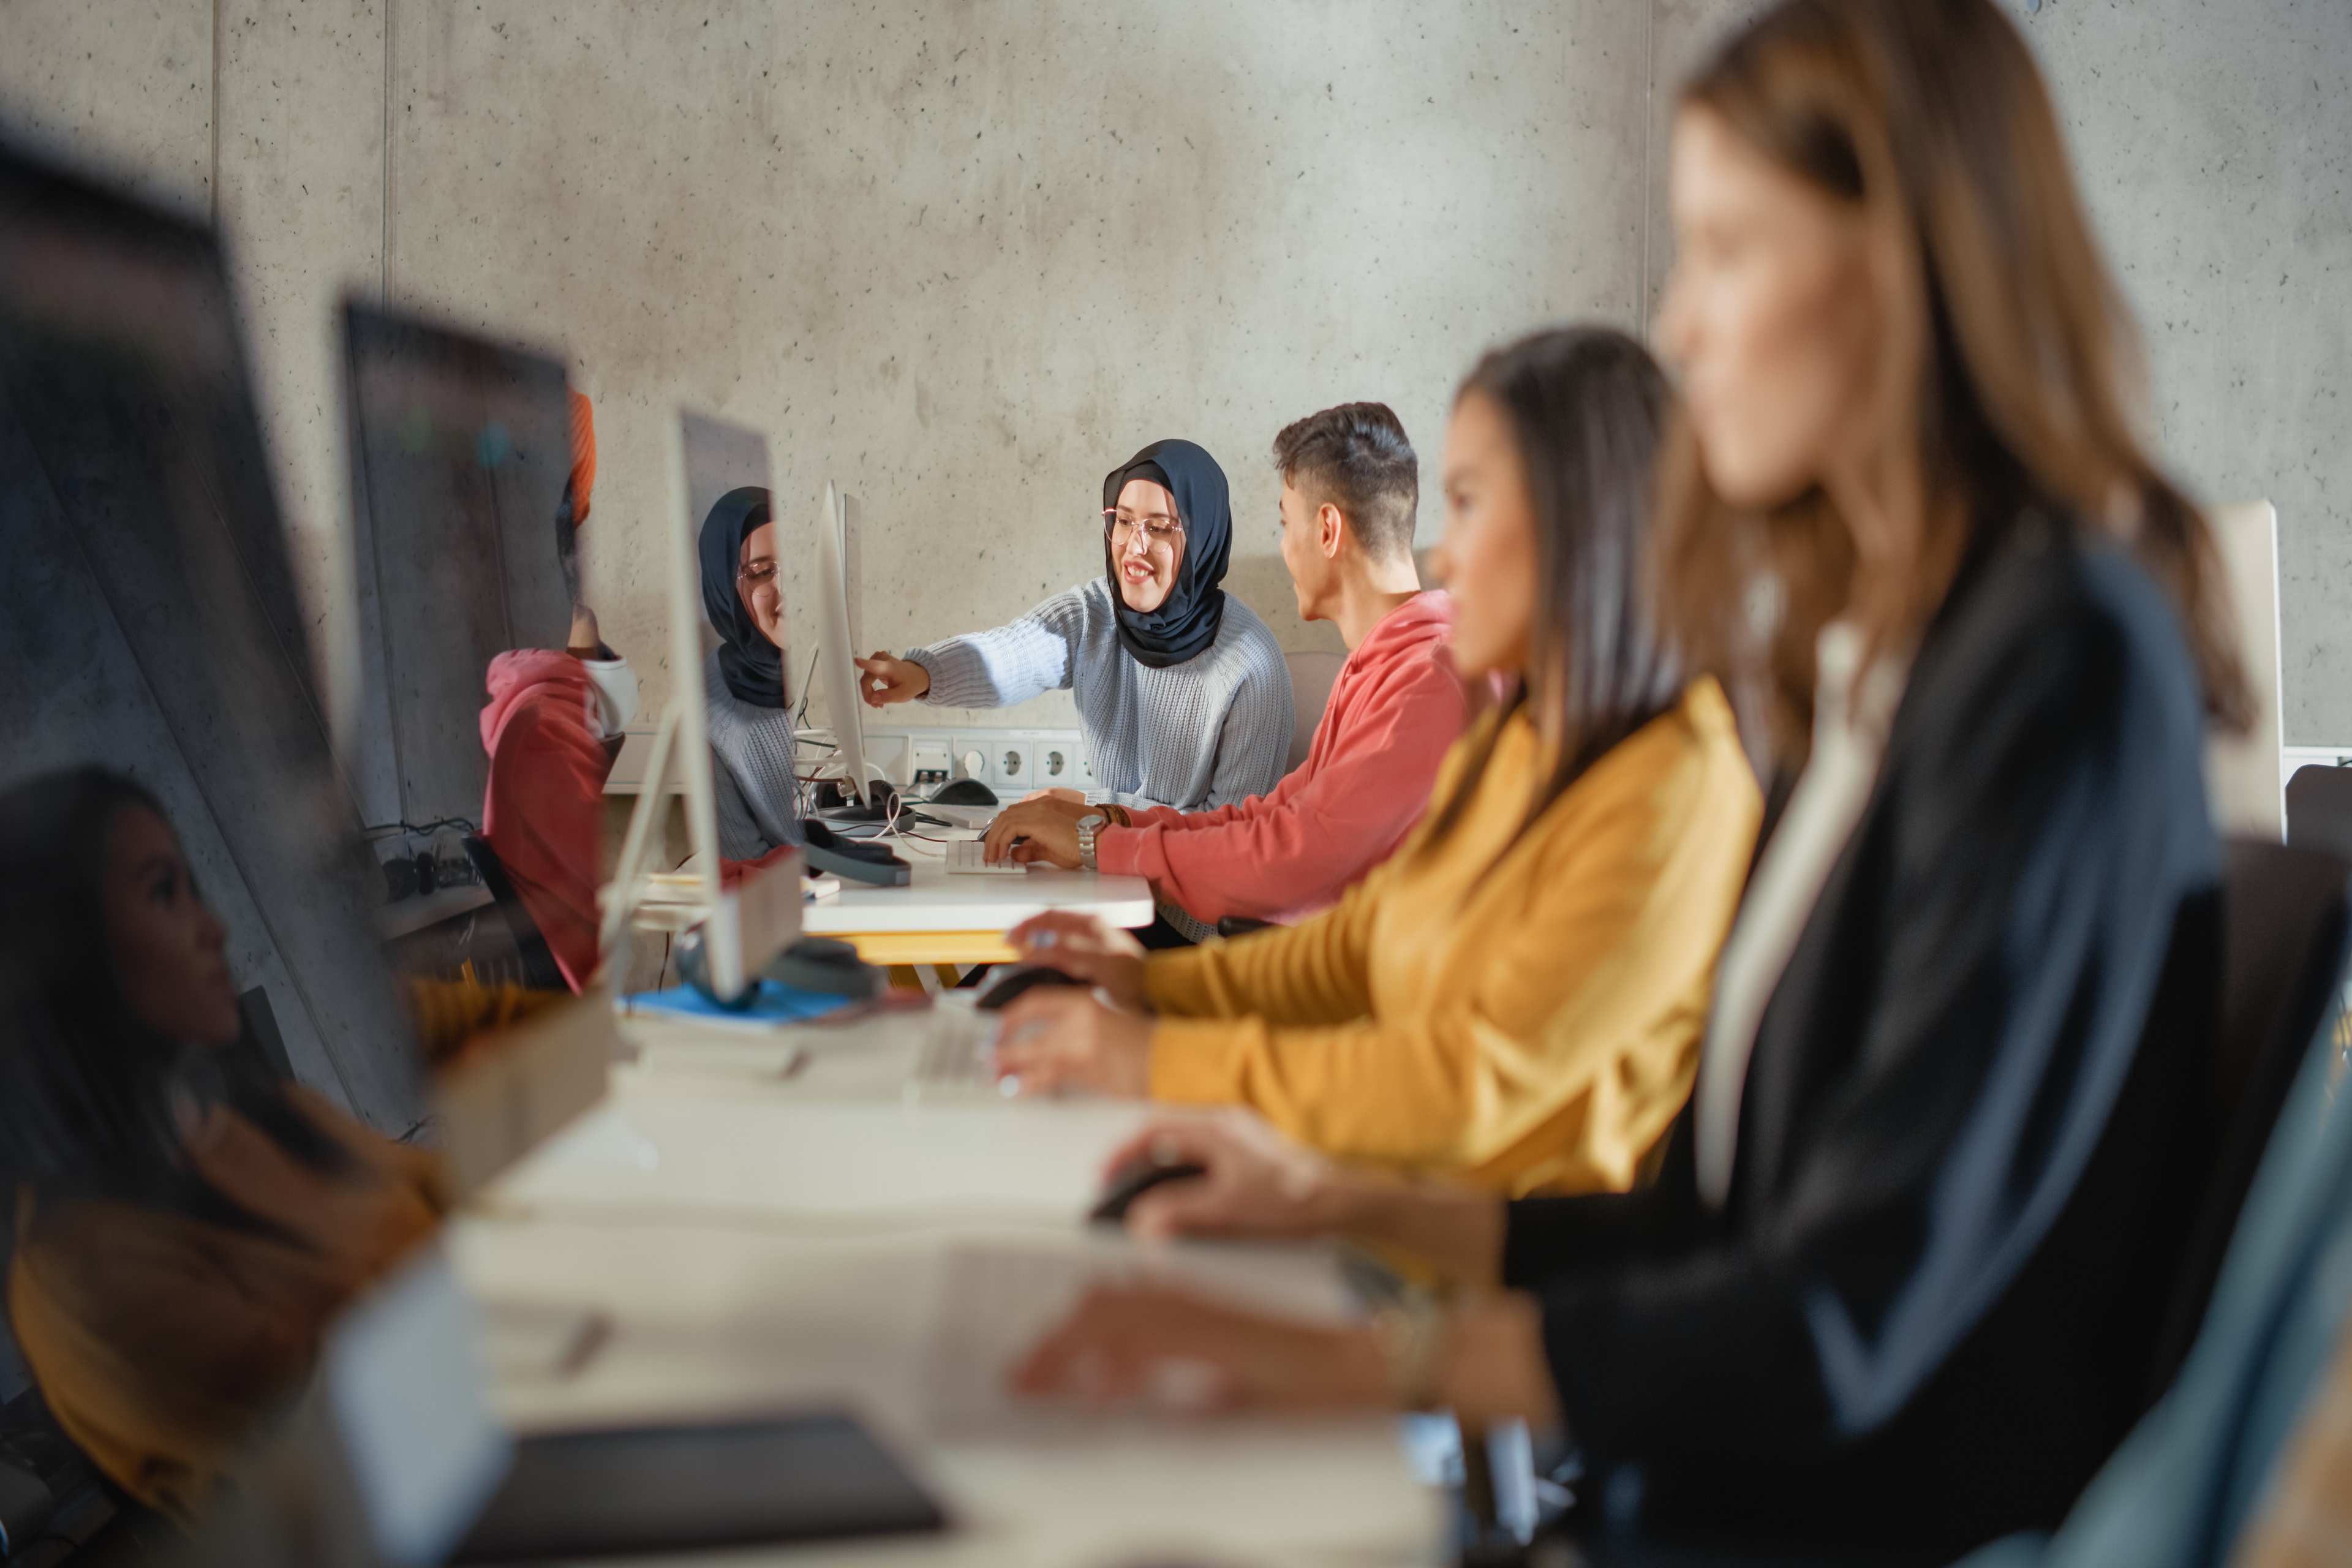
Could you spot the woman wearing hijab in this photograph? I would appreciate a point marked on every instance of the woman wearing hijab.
(184, 1226)
(1182, 693)
(744, 704)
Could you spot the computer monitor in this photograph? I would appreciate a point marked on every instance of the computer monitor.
(460, 448)
(149, 622)
(836, 671)
(744, 926)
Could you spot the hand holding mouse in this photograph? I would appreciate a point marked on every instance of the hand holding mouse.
(1086, 948)
(1251, 1180)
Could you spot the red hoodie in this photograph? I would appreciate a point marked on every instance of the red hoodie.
(1395, 708)
(543, 811)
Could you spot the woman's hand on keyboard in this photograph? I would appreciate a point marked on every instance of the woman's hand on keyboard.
(1086, 948)
(1060, 1037)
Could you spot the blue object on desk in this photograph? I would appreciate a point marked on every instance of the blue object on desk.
(775, 1003)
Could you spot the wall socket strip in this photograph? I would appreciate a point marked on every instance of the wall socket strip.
(1009, 762)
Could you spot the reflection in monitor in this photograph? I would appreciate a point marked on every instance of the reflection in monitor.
(470, 710)
(741, 926)
(150, 624)
(459, 453)
(184, 916)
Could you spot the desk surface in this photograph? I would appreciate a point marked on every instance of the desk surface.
(937, 900)
(760, 1238)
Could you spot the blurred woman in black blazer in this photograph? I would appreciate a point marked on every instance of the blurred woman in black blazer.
(1900, 1285)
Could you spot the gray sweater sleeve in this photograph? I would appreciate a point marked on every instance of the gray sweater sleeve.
(1253, 742)
(1034, 655)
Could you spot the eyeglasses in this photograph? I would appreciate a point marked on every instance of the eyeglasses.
(757, 574)
(1161, 531)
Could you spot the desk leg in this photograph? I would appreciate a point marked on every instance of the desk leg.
(924, 978)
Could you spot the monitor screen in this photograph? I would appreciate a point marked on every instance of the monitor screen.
(151, 626)
(460, 449)
(205, 1070)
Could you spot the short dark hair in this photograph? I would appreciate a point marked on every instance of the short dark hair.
(1356, 458)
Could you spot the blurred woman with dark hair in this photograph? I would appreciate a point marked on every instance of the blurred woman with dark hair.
(1513, 998)
(1901, 1285)
(184, 1226)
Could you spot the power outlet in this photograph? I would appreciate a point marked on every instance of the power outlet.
(1016, 765)
(1009, 762)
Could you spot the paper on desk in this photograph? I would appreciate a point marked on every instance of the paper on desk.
(913, 1163)
(996, 1301)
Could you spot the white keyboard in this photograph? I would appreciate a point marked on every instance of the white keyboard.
(965, 855)
(995, 1304)
(958, 1049)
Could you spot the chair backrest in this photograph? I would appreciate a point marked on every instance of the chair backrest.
(2286, 925)
(1311, 677)
(2319, 810)
(2180, 1491)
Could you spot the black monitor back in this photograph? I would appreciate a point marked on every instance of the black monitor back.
(460, 448)
(148, 615)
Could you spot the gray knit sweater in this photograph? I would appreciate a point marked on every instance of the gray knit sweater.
(750, 771)
(1211, 731)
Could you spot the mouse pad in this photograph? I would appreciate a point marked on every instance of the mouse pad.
(673, 1488)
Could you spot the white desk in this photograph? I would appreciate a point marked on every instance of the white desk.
(941, 916)
(760, 1243)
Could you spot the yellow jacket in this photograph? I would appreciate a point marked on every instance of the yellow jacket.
(1525, 1024)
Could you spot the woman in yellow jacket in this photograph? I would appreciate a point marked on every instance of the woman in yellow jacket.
(1515, 1000)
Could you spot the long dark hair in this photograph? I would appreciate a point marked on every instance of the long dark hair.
(84, 1086)
(2011, 355)
(1587, 405)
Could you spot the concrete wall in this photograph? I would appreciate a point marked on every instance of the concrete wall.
(962, 258)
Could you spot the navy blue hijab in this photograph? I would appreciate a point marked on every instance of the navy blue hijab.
(752, 666)
(1184, 625)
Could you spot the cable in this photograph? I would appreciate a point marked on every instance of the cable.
(385, 829)
(848, 1225)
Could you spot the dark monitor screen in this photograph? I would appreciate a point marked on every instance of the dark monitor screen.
(149, 621)
(460, 449)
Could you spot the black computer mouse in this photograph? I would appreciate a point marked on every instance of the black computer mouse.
(828, 967)
(1013, 980)
(963, 791)
(1129, 1182)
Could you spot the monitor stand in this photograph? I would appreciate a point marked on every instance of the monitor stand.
(845, 807)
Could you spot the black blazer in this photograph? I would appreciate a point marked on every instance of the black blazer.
(1928, 1309)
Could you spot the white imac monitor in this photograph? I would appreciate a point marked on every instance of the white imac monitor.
(835, 671)
(743, 927)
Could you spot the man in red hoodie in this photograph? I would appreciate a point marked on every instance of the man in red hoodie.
(1350, 485)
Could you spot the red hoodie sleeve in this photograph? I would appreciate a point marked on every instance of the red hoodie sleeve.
(1287, 855)
(543, 811)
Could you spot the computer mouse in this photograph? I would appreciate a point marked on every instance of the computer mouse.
(963, 791)
(828, 967)
(1013, 980)
(1129, 1182)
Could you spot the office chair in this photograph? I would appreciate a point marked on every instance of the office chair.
(2286, 926)
(2319, 810)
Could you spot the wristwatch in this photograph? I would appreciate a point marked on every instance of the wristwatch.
(1090, 825)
